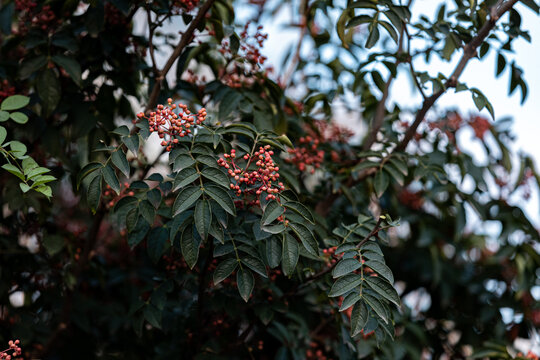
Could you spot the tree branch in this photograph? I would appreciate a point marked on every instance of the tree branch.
(184, 41)
(469, 51)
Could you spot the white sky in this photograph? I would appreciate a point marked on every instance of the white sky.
(480, 74)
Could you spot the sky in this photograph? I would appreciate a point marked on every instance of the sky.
(478, 73)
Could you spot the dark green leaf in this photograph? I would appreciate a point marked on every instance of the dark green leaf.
(345, 284)
(381, 183)
(300, 209)
(290, 254)
(203, 218)
(306, 237)
(146, 209)
(255, 264)
(93, 194)
(49, 90)
(376, 305)
(157, 243)
(222, 197)
(273, 252)
(359, 318)
(111, 179)
(71, 66)
(224, 269)
(185, 199)
(381, 269)
(345, 267)
(271, 212)
(189, 246)
(119, 160)
(217, 176)
(383, 288)
(185, 177)
(349, 300)
(245, 283)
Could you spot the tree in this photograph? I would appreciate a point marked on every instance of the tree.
(261, 228)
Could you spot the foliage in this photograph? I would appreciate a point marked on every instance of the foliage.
(261, 227)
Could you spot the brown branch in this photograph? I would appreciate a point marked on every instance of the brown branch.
(296, 57)
(380, 111)
(469, 51)
(184, 41)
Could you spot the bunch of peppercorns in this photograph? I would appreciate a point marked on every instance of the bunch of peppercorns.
(264, 178)
(13, 351)
(171, 126)
(112, 198)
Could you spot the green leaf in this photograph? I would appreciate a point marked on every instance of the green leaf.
(273, 252)
(86, 170)
(18, 149)
(153, 315)
(306, 237)
(183, 161)
(245, 283)
(388, 27)
(132, 143)
(146, 209)
(345, 267)
(3, 134)
(53, 244)
(185, 199)
(38, 180)
(25, 188)
(345, 284)
(49, 90)
(203, 218)
(93, 194)
(29, 66)
(45, 190)
(300, 209)
(19, 117)
(381, 183)
(208, 161)
(373, 36)
(222, 197)
(376, 305)
(290, 254)
(359, 318)
(185, 177)
(157, 243)
(381, 269)
(217, 176)
(154, 196)
(120, 161)
(4, 116)
(30, 164)
(14, 102)
(224, 269)
(14, 170)
(189, 247)
(383, 288)
(349, 300)
(255, 264)
(111, 179)
(395, 174)
(71, 66)
(272, 211)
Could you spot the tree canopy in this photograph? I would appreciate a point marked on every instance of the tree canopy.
(166, 193)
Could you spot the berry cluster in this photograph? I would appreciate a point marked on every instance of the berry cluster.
(480, 125)
(43, 19)
(315, 352)
(6, 89)
(448, 125)
(253, 182)
(179, 6)
(171, 126)
(530, 355)
(308, 154)
(246, 66)
(111, 198)
(12, 352)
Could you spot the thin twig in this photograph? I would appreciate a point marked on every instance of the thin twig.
(469, 51)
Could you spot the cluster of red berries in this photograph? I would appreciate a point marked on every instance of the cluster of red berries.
(44, 18)
(307, 154)
(111, 198)
(530, 355)
(13, 351)
(412, 199)
(242, 73)
(262, 179)
(114, 17)
(179, 6)
(315, 352)
(170, 125)
(480, 125)
(448, 125)
(6, 89)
